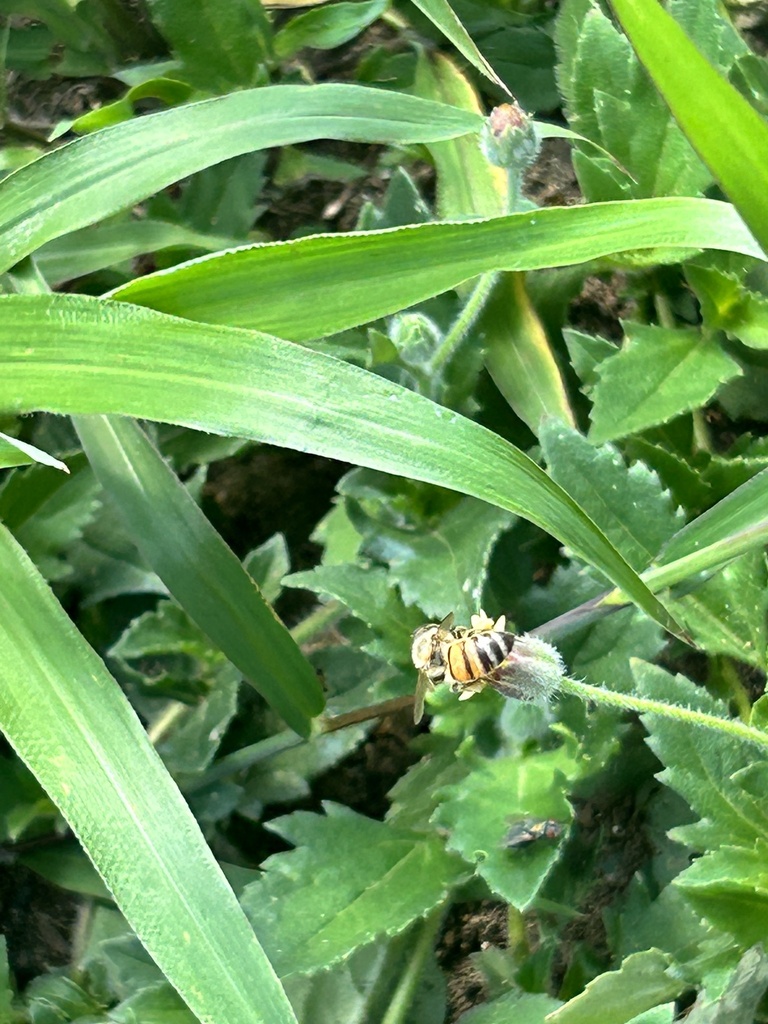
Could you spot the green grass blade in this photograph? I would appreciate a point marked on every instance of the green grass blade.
(283, 287)
(112, 169)
(442, 15)
(727, 133)
(67, 718)
(74, 354)
(198, 568)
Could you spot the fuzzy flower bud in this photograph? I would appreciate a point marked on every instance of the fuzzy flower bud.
(531, 672)
(509, 138)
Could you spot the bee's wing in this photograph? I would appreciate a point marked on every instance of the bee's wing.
(423, 687)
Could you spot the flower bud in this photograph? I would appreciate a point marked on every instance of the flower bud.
(531, 672)
(509, 138)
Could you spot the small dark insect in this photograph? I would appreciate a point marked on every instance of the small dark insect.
(530, 830)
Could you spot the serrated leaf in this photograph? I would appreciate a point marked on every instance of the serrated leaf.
(479, 811)
(418, 792)
(220, 45)
(198, 733)
(727, 305)
(520, 1007)
(729, 134)
(350, 880)
(727, 614)
(328, 27)
(443, 568)
(701, 765)
(739, 1003)
(370, 596)
(729, 887)
(643, 980)
(612, 101)
(659, 374)
(628, 504)
(267, 564)
(587, 351)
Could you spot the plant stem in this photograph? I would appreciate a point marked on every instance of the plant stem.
(409, 980)
(471, 311)
(732, 727)
(246, 757)
(318, 620)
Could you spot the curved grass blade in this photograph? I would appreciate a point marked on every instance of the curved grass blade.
(200, 571)
(724, 129)
(68, 720)
(91, 178)
(283, 287)
(442, 15)
(75, 354)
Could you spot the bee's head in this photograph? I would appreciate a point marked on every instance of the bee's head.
(423, 646)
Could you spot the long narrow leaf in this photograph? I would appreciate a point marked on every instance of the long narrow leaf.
(68, 719)
(198, 568)
(326, 283)
(442, 15)
(727, 133)
(110, 170)
(73, 354)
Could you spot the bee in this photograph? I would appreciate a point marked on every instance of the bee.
(465, 658)
(530, 830)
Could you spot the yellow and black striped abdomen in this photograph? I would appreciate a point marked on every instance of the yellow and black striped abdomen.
(477, 655)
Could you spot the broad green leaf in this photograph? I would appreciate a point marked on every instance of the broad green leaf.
(158, 1004)
(660, 373)
(726, 131)
(727, 614)
(479, 810)
(643, 980)
(94, 248)
(100, 357)
(198, 568)
(441, 14)
(330, 26)
(701, 765)
(381, 272)
(350, 881)
(91, 178)
(628, 505)
(587, 352)
(67, 718)
(220, 42)
(14, 452)
(729, 887)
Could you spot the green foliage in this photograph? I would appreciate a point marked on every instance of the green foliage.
(281, 232)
